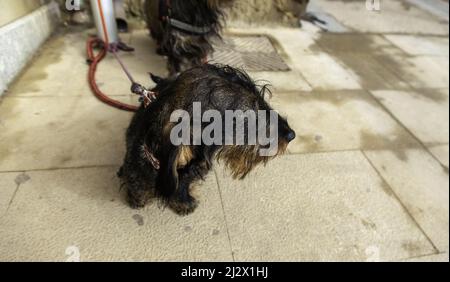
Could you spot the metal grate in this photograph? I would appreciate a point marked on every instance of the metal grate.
(252, 53)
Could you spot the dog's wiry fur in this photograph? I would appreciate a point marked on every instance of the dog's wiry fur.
(217, 88)
(183, 49)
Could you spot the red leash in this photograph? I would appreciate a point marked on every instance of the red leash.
(94, 60)
(147, 97)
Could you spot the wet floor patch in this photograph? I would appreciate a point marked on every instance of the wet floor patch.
(22, 178)
(30, 78)
(139, 219)
(389, 17)
(341, 120)
(370, 57)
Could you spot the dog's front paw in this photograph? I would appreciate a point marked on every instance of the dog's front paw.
(136, 205)
(183, 208)
(137, 200)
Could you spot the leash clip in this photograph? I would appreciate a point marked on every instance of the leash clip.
(146, 96)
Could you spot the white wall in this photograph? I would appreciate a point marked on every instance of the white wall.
(11, 10)
(22, 37)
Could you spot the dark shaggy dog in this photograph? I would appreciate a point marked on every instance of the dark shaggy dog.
(154, 167)
(183, 30)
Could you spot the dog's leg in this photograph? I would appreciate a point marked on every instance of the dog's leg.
(183, 202)
(138, 198)
(138, 187)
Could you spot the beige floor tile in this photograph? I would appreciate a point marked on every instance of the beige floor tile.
(281, 81)
(364, 55)
(55, 132)
(430, 72)
(421, 45)
(422, 185)
(294, 41)
(419, 71)
(441, 153)
(395, 17)
(324, 72)
(317, 207)
(8, 186)
(424, 112)
(57, 210)
(339, 120)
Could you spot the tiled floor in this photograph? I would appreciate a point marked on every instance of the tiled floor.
(366, 179)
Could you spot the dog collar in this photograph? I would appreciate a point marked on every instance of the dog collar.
(147, 97)
(188, 27)
(165, 14)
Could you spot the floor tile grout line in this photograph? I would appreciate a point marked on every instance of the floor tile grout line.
(224, 215)
(387, 148)
(12, 197)
(280, 92)
(322, 152)
(287, 154)
(118, 165)
(350, 32)
(59, 168)
(395, 195)
(18, 96)
(422, 144)
(420, 256)
(394, 33)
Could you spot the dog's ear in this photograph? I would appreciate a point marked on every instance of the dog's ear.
(168, 176)
(173, 159)
(156, 79)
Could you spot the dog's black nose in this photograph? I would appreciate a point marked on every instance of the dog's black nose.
(290, 136)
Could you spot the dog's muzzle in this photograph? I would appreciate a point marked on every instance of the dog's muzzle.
(290, 136)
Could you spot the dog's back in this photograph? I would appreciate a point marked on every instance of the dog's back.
(183, 30)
